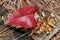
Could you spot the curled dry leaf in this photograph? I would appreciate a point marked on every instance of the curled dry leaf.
(23, 17)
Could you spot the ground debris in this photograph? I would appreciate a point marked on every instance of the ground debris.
(46, 6)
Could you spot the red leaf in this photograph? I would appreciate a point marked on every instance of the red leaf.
(23, 17)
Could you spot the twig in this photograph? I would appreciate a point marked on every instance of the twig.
(21, 36)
